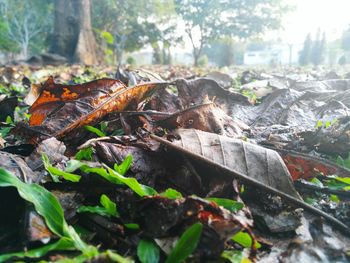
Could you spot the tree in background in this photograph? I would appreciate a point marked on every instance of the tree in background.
(118, 19)
(73, 37)
(345, 44)
(236, 18)
(134, 24)
(21, 25)
(221, 52)
(305, 54)
(318, 49)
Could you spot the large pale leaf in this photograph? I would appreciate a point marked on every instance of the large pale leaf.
(261, 164)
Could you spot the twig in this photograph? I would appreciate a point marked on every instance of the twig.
(292, 200)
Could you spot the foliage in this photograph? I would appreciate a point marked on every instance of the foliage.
(318, 49)
(95, 130)
(131, 61)
(203, 61)
(223, 52)
(49, 208)
(56, 173)
(229, 204)
(84, 154)
(305, 54)
(171, 193)
(344, 162)
(186, 244)
(148, 251)
(216, 19)
(234, 256)
(108, 208)
(133, 24)
(245, 240)
(346, 39)
(20, 24)
(114, 176)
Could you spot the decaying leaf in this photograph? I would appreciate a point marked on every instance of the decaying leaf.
(306, 167)
(17, 166)
(63, 108)
(7, 108)
(205, 117)
(196, 91)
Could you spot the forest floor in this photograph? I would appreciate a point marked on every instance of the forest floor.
(173, 164)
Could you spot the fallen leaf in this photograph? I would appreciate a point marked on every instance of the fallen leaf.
(205, 117)
(302, 166)
(261, 164)
(63, 108)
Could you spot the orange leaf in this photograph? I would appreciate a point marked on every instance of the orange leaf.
(62, 108)
(306, 167)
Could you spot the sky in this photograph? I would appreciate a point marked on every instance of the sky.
(332, 16)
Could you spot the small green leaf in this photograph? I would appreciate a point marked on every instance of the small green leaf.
(319, 124)
(109, 205)
(44, 202)
(234, 256)
(310, 201)
(103, 127)
(118, 258)
(245, 240)
(94, 130)
(132, 226)
(108, 37)
(148, 251)
(334, 184)
(124, 166)
(73, 165)
(84, 154)
(5, 131)
(47, 205)
(334, 198)
(62, 244)
(132, 183)
(316, 182)
(108, 208)
(171, 193)
(94, 210)
(186, 244)
(345, 180)
(229, 204)
(55, 172)
(9, 120)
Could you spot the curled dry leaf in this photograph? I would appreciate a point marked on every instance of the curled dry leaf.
(63, 108)
(197, 91)
(261, 164)
(205, 117)
(53, 148)
(17, 166)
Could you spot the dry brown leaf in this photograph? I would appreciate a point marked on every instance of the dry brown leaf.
(261, 164)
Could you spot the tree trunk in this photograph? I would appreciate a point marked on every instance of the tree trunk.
(195, 58)
(73, 37)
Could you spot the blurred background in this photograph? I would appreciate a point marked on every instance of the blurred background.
(215, 33)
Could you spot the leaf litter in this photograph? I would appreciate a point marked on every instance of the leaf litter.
(178, 169)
